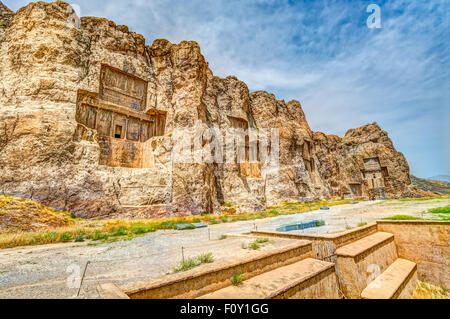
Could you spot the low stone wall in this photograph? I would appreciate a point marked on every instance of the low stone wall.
(321, 286)
(212, 277)
(427, 243)
(324, 246)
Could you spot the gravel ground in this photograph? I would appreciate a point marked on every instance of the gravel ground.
(44, 271)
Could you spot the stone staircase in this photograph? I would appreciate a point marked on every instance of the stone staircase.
(370, 268)
(367, 268)
(365, 265)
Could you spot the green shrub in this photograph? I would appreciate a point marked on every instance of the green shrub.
(237, 279)
(262, 240)
(224, 219)
(79, 239)
(222, 237)
(51, 235)
(441, 210)
(72, 215)
(261, 215)
(214, 222)
(168, 225)
(121, 231)
(274, 212)
(138, 230)
(254, 246)
(318, 223)
(402, 217)
(151, 229)
(65, 237)
(98, 235)
(205, 258)
(186, 264)
(190, 263)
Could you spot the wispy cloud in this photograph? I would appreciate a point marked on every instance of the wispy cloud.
(322, 54)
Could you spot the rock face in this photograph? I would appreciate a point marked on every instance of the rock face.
(90, 120)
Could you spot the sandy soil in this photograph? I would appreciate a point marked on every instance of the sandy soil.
(47, 271)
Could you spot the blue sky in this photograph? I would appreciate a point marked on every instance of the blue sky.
(323, 54)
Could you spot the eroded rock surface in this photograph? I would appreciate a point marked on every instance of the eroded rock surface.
(88, 115)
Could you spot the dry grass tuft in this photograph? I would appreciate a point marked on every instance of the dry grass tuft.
(426, 290)
(20, 215)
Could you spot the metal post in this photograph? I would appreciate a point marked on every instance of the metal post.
(82, 278)
(182, 254)
(209, 234)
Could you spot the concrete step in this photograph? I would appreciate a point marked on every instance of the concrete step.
(360, 246)
(360, 262)
(308, 278)
(398, 281)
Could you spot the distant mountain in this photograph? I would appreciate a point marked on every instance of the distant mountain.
(431, 185)
(445, 178)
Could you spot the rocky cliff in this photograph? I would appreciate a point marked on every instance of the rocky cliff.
(89, 112)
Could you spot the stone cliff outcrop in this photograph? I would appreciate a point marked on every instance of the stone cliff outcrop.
(89, 115)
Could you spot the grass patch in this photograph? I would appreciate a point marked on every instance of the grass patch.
(206, 258)
(274, 212)
(426, 290)
(256, 244)
(222, 237)
(441, 210)
(402, 217)
(51, 236)
(417, 199)
(121, 231)
(262, 240)
(186, 264)
(98, 235)
(138, 230)
(113, 230)
(362, 224)
(348, 227)
(190, 263)
(65, 237)
(237, 279)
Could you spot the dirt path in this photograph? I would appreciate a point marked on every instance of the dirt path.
(45, 271)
